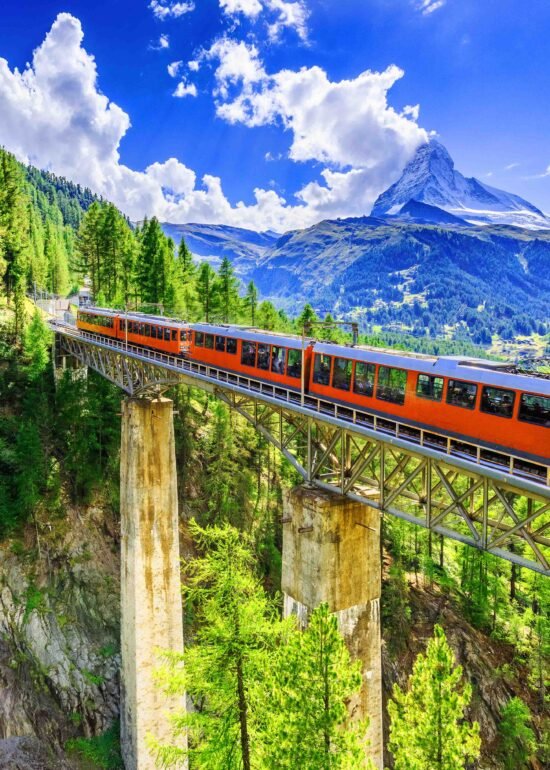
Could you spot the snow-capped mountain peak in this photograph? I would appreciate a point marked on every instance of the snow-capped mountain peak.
(431, 178)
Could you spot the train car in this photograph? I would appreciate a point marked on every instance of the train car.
(98, 321)
(469, 399)
(263, 355)
(156, 332)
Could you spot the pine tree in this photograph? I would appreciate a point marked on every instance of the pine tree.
(14, 230)
(227, 290)
(251, 301)
(305, 319)
(89, 247)
(428, 730)
(205, 291)
(186, 283)
(313, 678)
(268, 317)
(224, 669)
(517, 739)
(36, 346)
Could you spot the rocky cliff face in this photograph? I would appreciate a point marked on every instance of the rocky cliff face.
(487, 663)
(59, 636)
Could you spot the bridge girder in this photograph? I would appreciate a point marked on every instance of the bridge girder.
(487, 510)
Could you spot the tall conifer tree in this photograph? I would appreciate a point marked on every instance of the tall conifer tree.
(428, 730)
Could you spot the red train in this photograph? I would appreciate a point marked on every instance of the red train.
(471, 400)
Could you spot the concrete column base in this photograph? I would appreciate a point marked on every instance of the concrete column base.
(331, 553)
(150, 574)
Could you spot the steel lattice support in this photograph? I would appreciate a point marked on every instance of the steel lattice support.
(488, 510)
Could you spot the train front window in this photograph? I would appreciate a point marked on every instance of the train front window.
(278, 360)
(220, 344)
(363, 383)
(391, 384)
(294, 365)
(341, 377)
(199, 339)
(321, 369)
(248, 355)
(535, 409)
(263, 356)
(497, 401)
(429, 387)
(462, 394)
(209, 341)
(231, 345)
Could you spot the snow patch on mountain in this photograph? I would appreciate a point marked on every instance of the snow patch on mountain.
(431, 178)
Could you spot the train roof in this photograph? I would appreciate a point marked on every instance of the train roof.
(253, 334)
(157, 320)
(473, 369)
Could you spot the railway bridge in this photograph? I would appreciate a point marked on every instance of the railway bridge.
(355, 469)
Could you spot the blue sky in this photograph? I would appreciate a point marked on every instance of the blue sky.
(314, 104)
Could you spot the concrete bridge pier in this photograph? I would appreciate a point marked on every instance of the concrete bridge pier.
(331, 553)
(150, 573)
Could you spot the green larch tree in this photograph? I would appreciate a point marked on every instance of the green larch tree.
(428, 730)
(517, 739)
(227, 290)
(251, 302)
(206, 291)
(186, 284)
(313, 677)
(223, 671)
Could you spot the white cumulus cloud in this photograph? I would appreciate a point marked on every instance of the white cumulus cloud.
(279, 14)
(173, 68)
(249, 8)
(185, 89)
(163, 9)
(54, 116)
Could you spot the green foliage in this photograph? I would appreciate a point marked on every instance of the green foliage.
(36, 346)
(103, 750)
(251, 302)
(312, 679)
(265, 695)
(427, 730)
(517, 739)
(396, 612)
(227, 290)
(223, 670)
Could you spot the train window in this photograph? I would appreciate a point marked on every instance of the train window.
(497, 401)
(174, 335)
(364, 379)
(220, 344)
(391, 384)
(209, 341)
(294, 365)
(154, 332)
(231, 345)
(321, 369)
(199, 339)
(429, 387)
(147, 330)
(278, 356)
(248, 354)
(341, 376)
(263, 356)
(461, 394)
(535, 409)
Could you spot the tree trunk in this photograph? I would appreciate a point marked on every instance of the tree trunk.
(243, 715)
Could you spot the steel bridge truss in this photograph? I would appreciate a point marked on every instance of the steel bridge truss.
(488, 510)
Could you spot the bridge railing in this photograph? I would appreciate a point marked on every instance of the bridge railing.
(428, 442)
